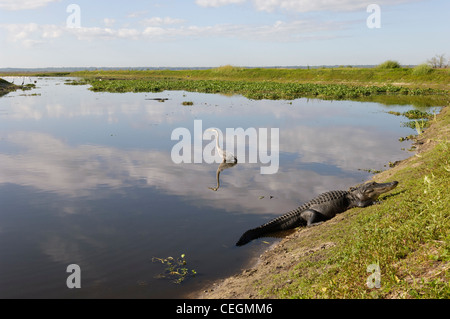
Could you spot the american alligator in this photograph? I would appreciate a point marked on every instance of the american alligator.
(320, 209)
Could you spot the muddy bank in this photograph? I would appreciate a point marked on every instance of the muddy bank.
(6, 87)
(279, 258)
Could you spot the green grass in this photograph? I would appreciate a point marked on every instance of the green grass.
(357, 76)
(383, 85)
(409, 77)
(263, 90)
(422, 69)
(415, 115)
(256, 90)
(365, 84)
(389, 64)
(408, 235)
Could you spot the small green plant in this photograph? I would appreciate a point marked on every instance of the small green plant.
(28, 87)
(187, 103)
(406, 138)
(416, 114)
(176, 269)
(389, 64)
(369, 170)
(419, 126)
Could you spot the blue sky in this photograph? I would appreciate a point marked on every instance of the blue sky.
(196, 33)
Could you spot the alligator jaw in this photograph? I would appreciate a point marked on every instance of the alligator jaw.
(373, 190)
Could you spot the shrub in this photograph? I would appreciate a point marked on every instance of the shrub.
(422, 69)
(227, 69)
(389, 64)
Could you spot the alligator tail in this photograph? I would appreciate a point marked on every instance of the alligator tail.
(249, 235)
(287, 221)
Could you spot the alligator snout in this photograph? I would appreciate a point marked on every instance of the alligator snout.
(386, 187)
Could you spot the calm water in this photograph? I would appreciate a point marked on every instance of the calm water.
(87, 178)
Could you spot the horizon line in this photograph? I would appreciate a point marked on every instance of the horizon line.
(143, 68)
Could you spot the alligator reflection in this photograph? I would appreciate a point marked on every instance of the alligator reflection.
(224, 165)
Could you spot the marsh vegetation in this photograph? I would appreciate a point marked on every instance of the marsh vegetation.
(387, 82)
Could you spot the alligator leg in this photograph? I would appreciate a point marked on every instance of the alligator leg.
(313, 217)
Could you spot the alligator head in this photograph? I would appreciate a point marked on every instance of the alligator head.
(367, 193)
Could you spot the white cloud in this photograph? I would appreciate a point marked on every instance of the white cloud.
(157, 21)
(30, 34)
(217, 3)
(277, 32)
(137, 14)
(24, 4)
(316, 5)
(96, 33)
(125, 33)
(302, 5)
(109, 22)
(164, 29)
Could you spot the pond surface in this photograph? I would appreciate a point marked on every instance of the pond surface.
(87, 178)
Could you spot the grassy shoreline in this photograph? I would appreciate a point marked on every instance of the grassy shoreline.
(387, 86)
(377, 85)
(438, 78)
(407, 236)
(407, 77)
